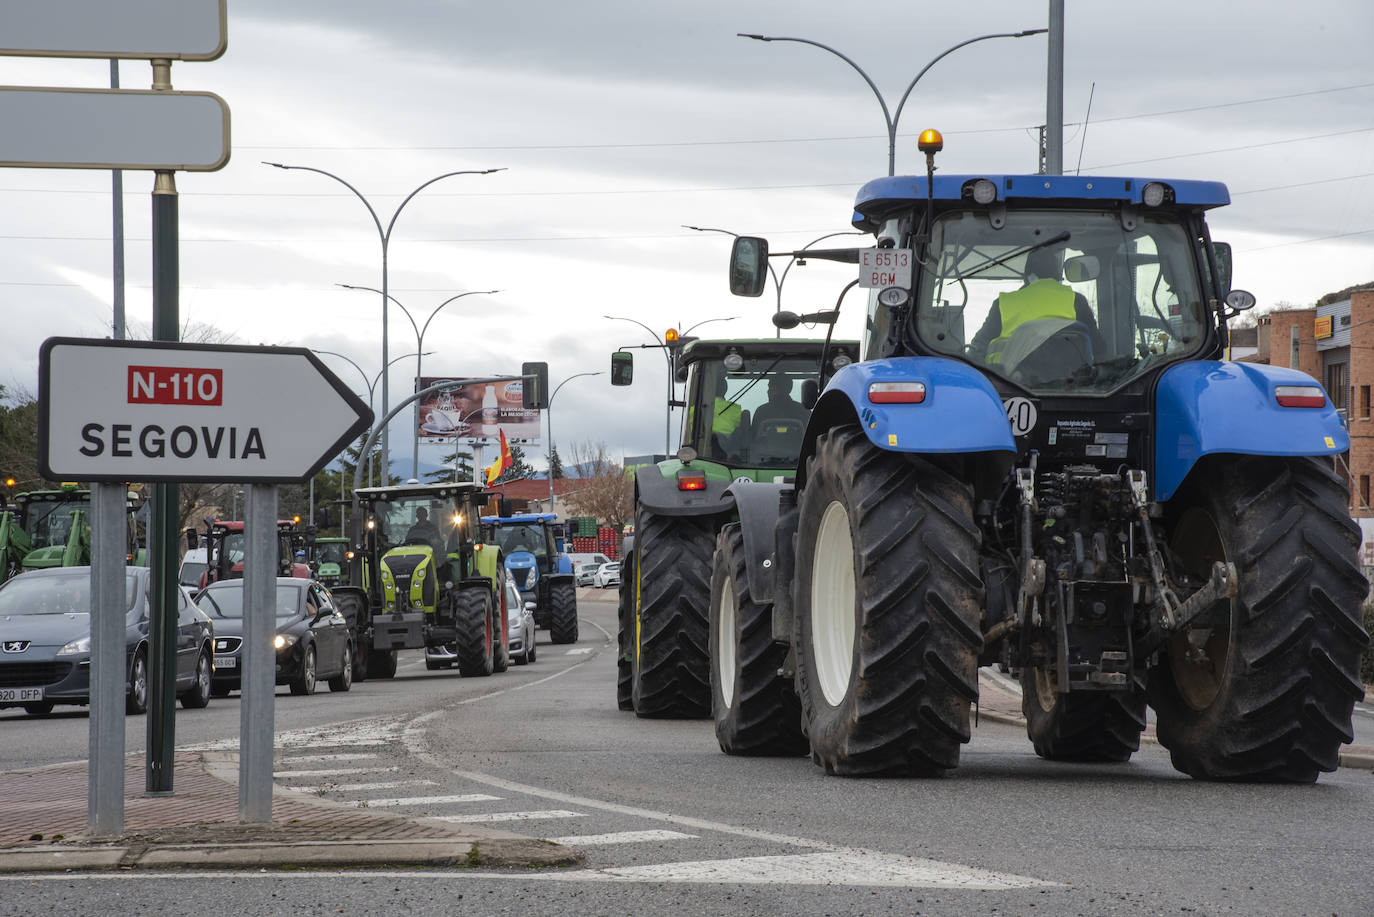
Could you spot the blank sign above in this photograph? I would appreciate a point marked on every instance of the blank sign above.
(113, 129)
(147, 29)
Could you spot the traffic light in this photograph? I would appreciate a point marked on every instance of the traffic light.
(534, 393)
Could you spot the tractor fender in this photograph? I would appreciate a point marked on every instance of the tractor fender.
(759, 507)
(660, 496)
(490, 565)
(960, 414)
(1208, 407)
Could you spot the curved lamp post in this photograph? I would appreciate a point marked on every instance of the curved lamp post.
(549, 412)
(371, 383)
(419, 364)
(385, 236)
(893, 118)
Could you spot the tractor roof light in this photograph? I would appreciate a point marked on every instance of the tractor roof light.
(841, 361)
(896, 392)
(1153, 194)
(1300, 396)
(691, 479)
(984, 191)
(733, 361)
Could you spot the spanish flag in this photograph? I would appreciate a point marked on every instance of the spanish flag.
(503, 462)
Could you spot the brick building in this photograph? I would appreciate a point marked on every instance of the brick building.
(1334, 343)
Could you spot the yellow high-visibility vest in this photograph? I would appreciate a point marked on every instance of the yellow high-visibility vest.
(1041, 299)
(725, 417)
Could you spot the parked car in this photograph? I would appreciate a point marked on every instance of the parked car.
(520, 632)
(313, 640)
(607, 575)
(445, 656)
(586, 574)
(45, 641)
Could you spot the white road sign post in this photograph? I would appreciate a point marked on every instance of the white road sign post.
(115, 411)
(163, 411)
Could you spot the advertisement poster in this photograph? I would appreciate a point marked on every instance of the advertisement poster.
(476, 413)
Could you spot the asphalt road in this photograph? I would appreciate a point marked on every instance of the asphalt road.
(671, 826)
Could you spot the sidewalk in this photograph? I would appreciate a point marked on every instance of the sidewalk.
(43, 818)
(999, 700)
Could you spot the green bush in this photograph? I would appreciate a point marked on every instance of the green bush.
(1367, 660)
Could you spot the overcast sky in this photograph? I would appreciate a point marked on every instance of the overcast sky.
(618, 121)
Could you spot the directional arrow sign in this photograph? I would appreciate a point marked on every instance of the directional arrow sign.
(147, 411)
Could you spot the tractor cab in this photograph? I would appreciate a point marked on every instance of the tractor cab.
(225, 550)
(51, 528)
(536, 559)
(329, 560)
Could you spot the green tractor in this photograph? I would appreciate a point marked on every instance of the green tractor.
(329, 560)
(747, 403)
(52, 528)
(430, 582)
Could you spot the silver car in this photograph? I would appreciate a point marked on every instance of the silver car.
(520, 628)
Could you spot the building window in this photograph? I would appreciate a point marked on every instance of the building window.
(1364, 401)
(1337, 385)
(1364, 491)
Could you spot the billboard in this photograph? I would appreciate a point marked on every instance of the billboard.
(476, 413)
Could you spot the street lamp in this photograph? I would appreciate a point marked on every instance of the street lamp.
(892, 119)
(385, 236)
(549, 411)
(419, 345)
(777, 281)
(372, 383)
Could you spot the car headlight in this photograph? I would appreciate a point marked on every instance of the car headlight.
(76, 647)
(282, 641)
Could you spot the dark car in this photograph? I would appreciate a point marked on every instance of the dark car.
(313, 639)
(45, 641)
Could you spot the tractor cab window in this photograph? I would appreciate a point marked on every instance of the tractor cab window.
(426, 520)
(1060, 301)
(529, 538)
(753, 416)
(332, 552)
(233, 548)
(50, 523)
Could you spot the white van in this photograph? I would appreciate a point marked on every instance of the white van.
(193, 568)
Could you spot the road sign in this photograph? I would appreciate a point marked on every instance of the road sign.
(113, 129)
(151, 411)
(139, 29)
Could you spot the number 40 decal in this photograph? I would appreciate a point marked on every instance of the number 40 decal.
(1020, 414)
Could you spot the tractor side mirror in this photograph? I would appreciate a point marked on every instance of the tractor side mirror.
(622, 367)
(192, 540)
(1222, 250)
(322, 518)
(748, 266)
(810, 393)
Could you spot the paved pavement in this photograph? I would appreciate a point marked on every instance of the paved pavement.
(43, 820)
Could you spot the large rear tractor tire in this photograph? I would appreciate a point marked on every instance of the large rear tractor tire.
(1081, 726)
(887, 599)
(563, 612)
(671, 671)
(625, 636)
(1265, 690)
(472, 614)
(755, 709)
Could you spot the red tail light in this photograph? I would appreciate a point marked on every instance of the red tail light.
(896, 392)
(1299, 396)
(691, 479)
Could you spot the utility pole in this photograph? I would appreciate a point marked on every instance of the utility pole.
(1054, 93)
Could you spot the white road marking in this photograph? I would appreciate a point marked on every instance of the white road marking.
(335, 772)
(315, 759)
(579, 651)
(511, 816)
(620, 837)
(360, 787)
(431, 800)
(846, 867)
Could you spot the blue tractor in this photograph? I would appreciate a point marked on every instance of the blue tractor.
(535, 556)
(1044, 461)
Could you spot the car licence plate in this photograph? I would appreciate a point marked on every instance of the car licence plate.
(20, 695)
(226, 662)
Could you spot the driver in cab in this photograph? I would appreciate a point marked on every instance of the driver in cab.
(1043, 296)
(424, 529)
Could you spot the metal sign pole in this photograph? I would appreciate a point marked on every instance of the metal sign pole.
(105, 793)
(258, 657)
(163, 533)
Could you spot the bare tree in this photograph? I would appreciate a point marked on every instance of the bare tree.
(602, 489)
